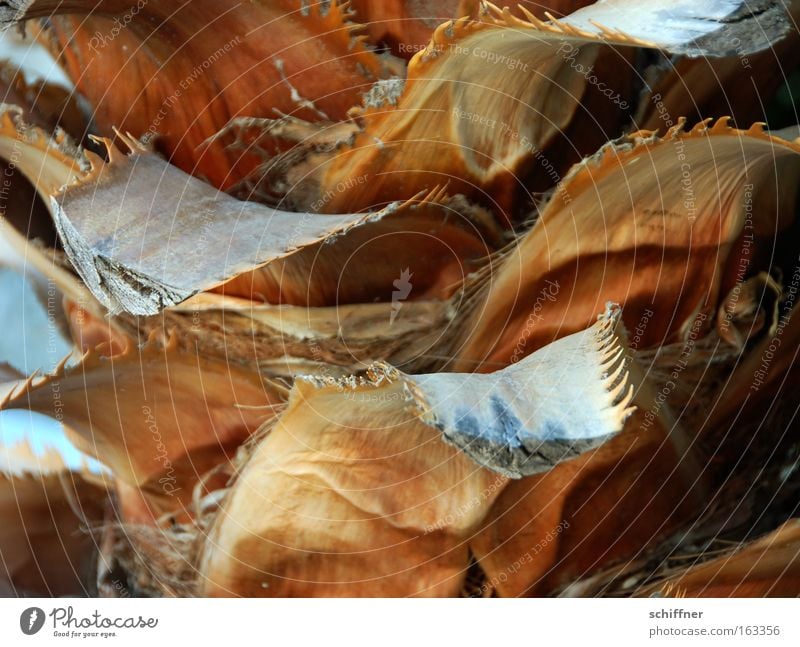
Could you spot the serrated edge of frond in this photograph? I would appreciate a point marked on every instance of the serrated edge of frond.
(335, 20)
(616, 152)
(58, 145)
(611, 345)
(453, 31)
(93, 358)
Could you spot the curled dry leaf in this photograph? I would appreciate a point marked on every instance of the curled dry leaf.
(651, 249)
(486, 97)
(664, 226)
(46, 549)
(738, 431)
(47, 106)
(743, 314)
(406, 26)
(159, 417)
(90, 331)
(566, 461)
(435, 241)
(49, 506)
(765, 567)
(606, 506)
(526, 418)
(768, 370)
(146, 68)
(144, 235)
(364, 497)
(285, 341)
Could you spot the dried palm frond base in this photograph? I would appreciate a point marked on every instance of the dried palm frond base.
(414, 307)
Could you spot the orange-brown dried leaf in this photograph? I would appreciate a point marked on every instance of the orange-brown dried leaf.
(159, 417)
(172, 235)
(664, 226)
(336, 503)
(765, 567)
(609, 505)
(45, 106)
(46, 545)
(486, 97)
(183, 70)
(49, 512)
(358, 489)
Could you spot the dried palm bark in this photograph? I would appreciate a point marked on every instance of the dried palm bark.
(512, 439)
(50, 506)
(144, 437)
(145, 67)
(765, 567)
(699, 88)
(397, 534)
(665, 226)
(126, 265)
(486, 97)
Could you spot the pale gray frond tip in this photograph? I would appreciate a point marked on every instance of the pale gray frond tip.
(563, 400)
(12, 11)
(147, 236)
(689, 27)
